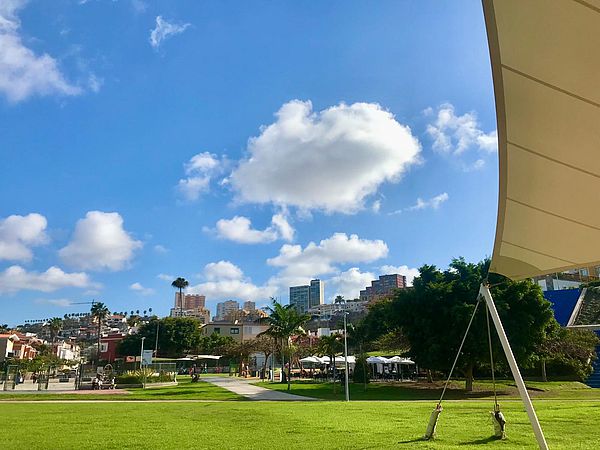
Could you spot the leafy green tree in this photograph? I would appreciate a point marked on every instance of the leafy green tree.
(99, 312)
(568, 351)
(284, 321)
(214, 344)
(177, 337)
(433, 316)
(362, 370)
(330, 346)
(180, 283)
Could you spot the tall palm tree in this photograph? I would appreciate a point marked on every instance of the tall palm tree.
(55, 325)
(99, 312)
(284, 322)
(180, 283)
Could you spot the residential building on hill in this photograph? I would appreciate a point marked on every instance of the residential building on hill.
(226, 308)
(383, 287)
(193, 306)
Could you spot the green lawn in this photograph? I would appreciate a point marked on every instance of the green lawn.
(425, 391)
(297, 425)
(185, 390)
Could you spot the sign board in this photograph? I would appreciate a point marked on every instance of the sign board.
(147, 357)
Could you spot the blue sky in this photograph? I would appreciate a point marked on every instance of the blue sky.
(246, 146)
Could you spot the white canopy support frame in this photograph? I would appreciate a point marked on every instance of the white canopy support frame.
(484, 291)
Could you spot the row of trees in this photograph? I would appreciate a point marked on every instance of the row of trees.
(430, 320)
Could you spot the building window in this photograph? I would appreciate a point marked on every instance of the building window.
(217, 331)
(234, 331)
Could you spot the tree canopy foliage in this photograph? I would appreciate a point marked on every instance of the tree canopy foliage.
(433, 316)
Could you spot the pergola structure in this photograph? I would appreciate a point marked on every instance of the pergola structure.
(546, 72)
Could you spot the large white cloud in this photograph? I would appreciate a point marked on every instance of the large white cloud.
(19, 233)
(318, 259)
(329, 160)
(16, 278)
(199, 170)
(164, 30)
(349, 283)
(239, 229)
(100, 242)
(226, 281)
(22, 72)
(457, 134)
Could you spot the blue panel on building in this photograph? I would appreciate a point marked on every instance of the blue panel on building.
(563, 302)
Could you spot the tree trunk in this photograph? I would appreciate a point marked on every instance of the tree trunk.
(289, 370)
(429, 376)
(544, 375)
(469, 378)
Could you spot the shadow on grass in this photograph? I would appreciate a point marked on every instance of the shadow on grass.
(481, 441)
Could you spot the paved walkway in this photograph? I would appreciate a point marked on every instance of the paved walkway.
(243, 387)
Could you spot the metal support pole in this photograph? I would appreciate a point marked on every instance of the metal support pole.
(484, 291)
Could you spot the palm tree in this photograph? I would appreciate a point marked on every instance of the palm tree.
(180, 283)
(330, 346)
(99, 312)
(285, 321)
(55, 325)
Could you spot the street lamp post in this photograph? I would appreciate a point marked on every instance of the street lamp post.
(346, 355)
(142, 353)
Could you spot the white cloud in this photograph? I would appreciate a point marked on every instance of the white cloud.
(408, 272)
(239, 229)
(137, 287)
(22, 72)
(62, 302)
(376, 206)
(160, 249)
(16, 278)
(348, 284)
(19, 233)
(200, 169)
(165, 30)
(226, 281)
(165, 277)
(319, 259)
(329, 160)
(100, 242)
(433, 203)
(222, 270)
(454, 134)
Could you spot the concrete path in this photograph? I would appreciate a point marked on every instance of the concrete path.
(243, 387)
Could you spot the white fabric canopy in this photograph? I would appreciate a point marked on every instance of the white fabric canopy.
(311, 359)
(546, 69)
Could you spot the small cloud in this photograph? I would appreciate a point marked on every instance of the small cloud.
(160, 249)
(239, 229)
(164, 30)
(453, 134)
(376, 206)
(432, 203)
(95, 83)
(200, 170)
(62, 302)
(166, 277)
(137, 287)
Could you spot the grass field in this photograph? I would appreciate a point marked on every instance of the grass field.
(568, 413)
(185, 390)
(425, 391)
(297, 425)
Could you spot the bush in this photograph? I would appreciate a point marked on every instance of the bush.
(362, 369)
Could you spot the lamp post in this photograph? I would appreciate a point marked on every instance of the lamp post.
(142, 353)
(346, 355)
